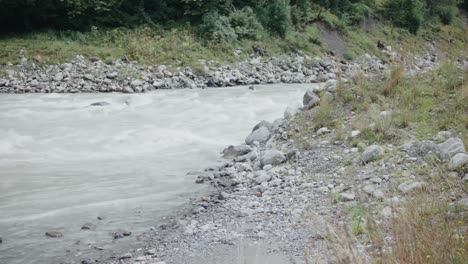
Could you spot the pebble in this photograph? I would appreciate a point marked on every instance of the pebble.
(54, 234)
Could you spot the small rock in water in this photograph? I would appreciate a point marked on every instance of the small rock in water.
(88, 226)
(1, 240)
(126, 256)
(251, 87)
(121, 234)
(100, 218)
(100, 104)
(54, 234)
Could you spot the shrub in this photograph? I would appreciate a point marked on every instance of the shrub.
(444, 9)
(276, 17)
(246, 24)
(405, 13)
(217, 27)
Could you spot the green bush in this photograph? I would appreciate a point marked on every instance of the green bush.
(276, 17)
(408, 14)
(217, 27)
(246, 24)
(444, 9)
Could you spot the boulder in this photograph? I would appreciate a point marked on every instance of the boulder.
(310, 100)
(261, 135)
(331, 86)
(449, 148)
(346, 197)
(372, 153)
(236, 151)
(272, 157)
(409, 186)
(263, 123)
(458, 161)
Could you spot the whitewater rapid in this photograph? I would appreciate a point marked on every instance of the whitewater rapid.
(63, 162)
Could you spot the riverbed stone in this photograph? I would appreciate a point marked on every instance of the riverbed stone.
(410, 186)
(261, 135)
(310, 100)
(458, 161)
(54, 234)
(272, 157)
(450, 148)
(235, 151)
(372, 153)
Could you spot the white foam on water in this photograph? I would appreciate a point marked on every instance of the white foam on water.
(64, 162)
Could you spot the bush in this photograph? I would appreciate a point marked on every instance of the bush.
(408, 14)
(276, 17)
(246, 24)
(217, 27)
(444, 9)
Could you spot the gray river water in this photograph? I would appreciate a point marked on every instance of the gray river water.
(63, 163)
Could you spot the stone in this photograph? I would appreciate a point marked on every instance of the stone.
(372, 153)
(127, 90)
(262, 177)
(450, 148)
(263, 123)
(378, 194)
(458, 161)
(331, 86)
(1, 240)
(369, 189)
(54, 234)
(355, 133)
(409, 187)
(323, 130)
(58, 77)
(310, 100)
(273, 157)
(112, 75)
(222, 196)
(103, 103)
(126, 256)
(136, 83)
(150, 252)
(346, 197)
(386, 212)
(236, 151)
(261, 135)
(121, 234)
(88, 226)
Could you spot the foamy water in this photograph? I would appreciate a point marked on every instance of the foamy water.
(63, 162)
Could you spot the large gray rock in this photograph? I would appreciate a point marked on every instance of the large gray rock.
(346, 197)
(331, 86)
(458, 161)
(449, 148)
(262, 177)
(272, 157)
(235, 151)
(310, 100)
(372, 153)
(420, 148)
(263, 123)
(261, 135)
(409, 186)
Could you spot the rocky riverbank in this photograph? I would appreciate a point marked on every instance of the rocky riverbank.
(281, 196)
(87, 75)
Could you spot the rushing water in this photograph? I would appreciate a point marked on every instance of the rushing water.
(64, 162)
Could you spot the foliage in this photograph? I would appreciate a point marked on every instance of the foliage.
(218, 27)
(246, 24)
(405, 13)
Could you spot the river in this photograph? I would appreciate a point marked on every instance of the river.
(63, 162)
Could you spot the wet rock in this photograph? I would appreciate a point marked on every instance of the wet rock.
(1, 240)
(127, 90)
(272, 157)
(458, 161)
(126, 256)
(372, 153)
(310, 100)
(54, 234)
(450, 148)
(100, 218)
(103, 103)
(261, 135)
(88, 226)
(409, 187)
(263, 123)
(235, 151)
(121, 234)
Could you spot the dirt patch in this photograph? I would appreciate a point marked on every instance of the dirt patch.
(332, 39)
